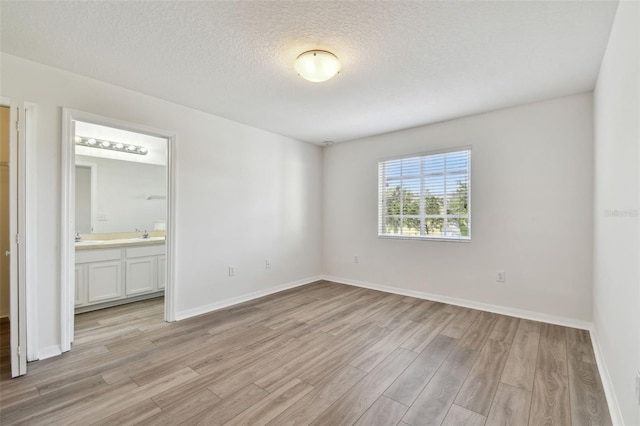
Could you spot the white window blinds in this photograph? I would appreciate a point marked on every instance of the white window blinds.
(426, 196)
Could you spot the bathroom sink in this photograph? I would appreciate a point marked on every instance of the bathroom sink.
(89, 242)
(133, 240)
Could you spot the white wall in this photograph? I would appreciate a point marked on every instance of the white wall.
(616, 292)
(531, 211)
(243, 194)
(123, 187)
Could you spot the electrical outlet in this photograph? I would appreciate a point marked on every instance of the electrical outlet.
(638, 387)
(500, 276)
(102, 217)
(232, 271)
(267, 264)
(356, 259)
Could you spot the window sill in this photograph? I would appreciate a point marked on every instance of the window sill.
(441, 239)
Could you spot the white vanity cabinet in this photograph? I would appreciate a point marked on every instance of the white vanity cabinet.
(110, 276)
(98, 276)
(142, 269)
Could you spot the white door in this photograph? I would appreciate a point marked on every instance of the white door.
(15, 165)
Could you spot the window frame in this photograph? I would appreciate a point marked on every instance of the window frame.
(422, 217)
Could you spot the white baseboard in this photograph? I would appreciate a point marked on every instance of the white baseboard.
(503, 310)
(244, 298)
(612, 401)
(49, 352)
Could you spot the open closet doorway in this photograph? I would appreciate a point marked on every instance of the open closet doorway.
(118, 242)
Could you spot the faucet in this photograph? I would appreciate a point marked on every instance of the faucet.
(145, 234)
(78, 237)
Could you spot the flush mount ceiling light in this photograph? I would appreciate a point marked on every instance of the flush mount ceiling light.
(317, 65)
(112, 146)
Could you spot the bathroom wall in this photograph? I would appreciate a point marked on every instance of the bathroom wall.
(123, 187)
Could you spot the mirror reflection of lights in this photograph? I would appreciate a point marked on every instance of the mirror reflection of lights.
(109, 145)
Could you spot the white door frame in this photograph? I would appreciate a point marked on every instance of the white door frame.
(67, 255)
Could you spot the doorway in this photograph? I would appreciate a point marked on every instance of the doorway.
(117, 211)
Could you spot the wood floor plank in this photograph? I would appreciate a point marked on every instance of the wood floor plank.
(72, 407)
(479, 331)
(256, 370)
(428, 331)
(125, 401)
(323, 353)
(383, 412)
(412, 381)
(354, 403)
(520, 368)
(52, 401)
(184, 408)
(370, 358)
(432, 405)
(588, 405)
(135, 415)
(296, 364)
(354, 343)
(9, 398)
(504, 329)
(579, 345)
(480, 386)
(461, 323)
(228, 408)
(550, 399)
(272, 405)
(324, 394)
(459, 416)
(510, 406)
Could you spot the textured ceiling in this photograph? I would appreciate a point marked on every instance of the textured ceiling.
(405, 63)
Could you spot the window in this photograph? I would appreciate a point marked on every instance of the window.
(426, 196)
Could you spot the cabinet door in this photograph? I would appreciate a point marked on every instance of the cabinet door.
(80, 285)
(141, 275)
(162, 272)
(105, 281)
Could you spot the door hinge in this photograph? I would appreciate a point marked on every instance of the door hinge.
(19, 351)
(18, 239)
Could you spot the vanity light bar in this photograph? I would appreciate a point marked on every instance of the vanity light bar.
(113, 146)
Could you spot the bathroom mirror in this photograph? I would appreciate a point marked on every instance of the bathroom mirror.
(116, 189)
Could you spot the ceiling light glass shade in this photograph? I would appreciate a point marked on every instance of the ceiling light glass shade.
(317, 65)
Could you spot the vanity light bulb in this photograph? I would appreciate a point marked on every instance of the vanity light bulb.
(77, 139)
(119, 146)
(91, 141)
(131, 147)
(106, 144)
(143, 150)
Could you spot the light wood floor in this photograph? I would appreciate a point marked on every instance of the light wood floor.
(322, 354)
